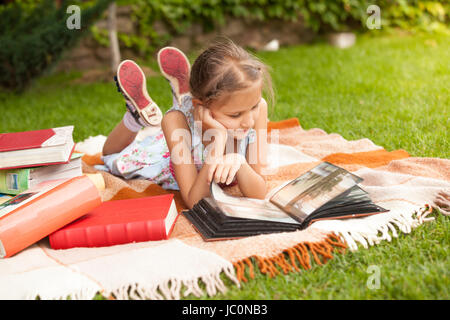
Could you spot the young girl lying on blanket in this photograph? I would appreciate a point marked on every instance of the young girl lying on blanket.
(215, 130)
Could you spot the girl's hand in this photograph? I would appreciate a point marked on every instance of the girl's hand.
(225, 169)
(214, 130)
(204, 115)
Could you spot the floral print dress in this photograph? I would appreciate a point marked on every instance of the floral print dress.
(150, 158)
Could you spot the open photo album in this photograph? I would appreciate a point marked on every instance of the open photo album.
(324, 192)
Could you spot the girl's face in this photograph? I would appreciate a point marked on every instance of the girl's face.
(238, 111)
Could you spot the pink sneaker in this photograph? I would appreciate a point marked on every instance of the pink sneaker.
(175, 66)
(132, 84)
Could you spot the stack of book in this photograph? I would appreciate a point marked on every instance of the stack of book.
(43, 193)
(35, 165)
(31, 157)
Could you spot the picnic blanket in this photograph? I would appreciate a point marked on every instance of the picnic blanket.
(408, 186)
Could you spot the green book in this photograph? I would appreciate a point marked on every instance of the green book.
(15, 181)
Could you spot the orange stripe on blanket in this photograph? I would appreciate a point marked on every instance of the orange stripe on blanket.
(283, 124)
(92, 160)
(370, 159)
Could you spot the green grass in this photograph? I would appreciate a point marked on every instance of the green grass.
(392, 90)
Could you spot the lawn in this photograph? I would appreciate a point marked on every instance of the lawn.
(391, 89)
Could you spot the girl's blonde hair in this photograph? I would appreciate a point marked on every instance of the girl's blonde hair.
(225, 67)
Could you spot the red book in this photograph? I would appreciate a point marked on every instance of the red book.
(118, 222)
(35, 148)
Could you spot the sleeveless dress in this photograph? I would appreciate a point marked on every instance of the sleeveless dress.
(150, 158)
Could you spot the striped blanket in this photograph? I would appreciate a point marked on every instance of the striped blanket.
(408, 186)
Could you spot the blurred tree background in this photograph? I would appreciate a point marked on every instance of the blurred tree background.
(320, 16)
(34, 35)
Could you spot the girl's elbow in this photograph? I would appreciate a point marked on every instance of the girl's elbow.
(258, 193)
(188, 201)
(262, 194)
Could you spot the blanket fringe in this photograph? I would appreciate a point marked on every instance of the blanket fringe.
(287, 260)
(442, 202)
(80, 294)
(322, 251)
(172, 289)
(403, 222)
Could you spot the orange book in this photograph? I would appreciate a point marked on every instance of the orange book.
(43, 209)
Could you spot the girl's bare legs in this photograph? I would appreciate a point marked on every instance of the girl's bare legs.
(119, 138)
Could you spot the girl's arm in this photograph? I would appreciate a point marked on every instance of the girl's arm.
(251, 183)
(249, 176)
(257, 151)
(193, 185)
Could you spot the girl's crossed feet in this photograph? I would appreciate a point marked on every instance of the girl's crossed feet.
(131, 82)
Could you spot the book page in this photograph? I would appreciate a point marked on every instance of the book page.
(241, 207)
(305, 194)
(62, 135)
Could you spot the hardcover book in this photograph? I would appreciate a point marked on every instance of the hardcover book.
(325, 192)
(15, 181)
(36, 148)
(119, 222)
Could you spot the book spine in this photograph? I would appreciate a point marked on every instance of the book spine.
(14, 181)
(108, 235)
(46, 214)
